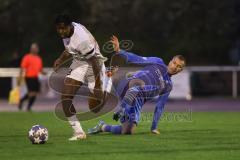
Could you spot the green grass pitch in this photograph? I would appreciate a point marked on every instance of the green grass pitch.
(209, 135)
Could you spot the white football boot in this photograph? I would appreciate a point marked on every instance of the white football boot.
(155, 131)
(78, 136)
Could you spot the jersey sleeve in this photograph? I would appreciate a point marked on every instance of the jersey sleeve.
(159, 110)
(133, 58)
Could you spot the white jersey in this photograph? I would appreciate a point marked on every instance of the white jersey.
(82, 45)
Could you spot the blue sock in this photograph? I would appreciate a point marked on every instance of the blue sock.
(107, 128)
(114, 129)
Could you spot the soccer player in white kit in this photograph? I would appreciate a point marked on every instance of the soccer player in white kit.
(87, 64)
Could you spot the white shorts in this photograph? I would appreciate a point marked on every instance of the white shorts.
(83, 72)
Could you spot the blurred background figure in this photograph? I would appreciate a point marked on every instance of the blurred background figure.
(31, 67)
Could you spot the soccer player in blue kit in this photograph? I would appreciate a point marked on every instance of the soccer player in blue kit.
(153, 80)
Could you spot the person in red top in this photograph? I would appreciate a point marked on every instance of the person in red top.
(31, 66)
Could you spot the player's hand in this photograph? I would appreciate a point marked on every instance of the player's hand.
(56, 65)
(111, 70)
(115, 42)
(117, 115)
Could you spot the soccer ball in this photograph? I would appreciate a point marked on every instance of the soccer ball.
(38, 134)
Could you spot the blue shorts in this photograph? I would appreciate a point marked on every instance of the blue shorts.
(134, 100)
(131, 115)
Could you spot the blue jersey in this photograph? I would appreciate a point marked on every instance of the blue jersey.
(154, 74)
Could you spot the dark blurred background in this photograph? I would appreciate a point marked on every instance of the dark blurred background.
(205, 31)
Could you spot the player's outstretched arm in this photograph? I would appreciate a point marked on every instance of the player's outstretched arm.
(159, 110)
(63, 57)
(131, 57)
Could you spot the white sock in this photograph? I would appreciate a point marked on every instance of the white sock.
(74, 122)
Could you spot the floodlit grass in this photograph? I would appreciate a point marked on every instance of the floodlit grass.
(209, 135)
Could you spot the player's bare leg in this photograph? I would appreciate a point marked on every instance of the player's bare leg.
(69, 90)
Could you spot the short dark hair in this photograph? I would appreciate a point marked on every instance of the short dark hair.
(63, 18)
(181, 57)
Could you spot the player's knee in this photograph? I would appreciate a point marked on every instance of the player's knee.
(136, 82)
(66, 97)
(72, 82)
